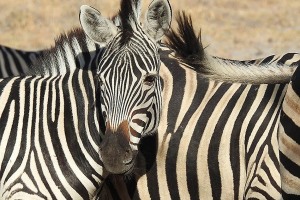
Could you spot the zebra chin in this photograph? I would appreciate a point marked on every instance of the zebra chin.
(117, 155)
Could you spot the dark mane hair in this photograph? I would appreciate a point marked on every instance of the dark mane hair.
(127, 18)
(44, 64)
(186, 43)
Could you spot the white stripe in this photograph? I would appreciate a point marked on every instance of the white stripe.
(28, 182)
(37, 178)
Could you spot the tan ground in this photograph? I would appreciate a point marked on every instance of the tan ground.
(238, 29)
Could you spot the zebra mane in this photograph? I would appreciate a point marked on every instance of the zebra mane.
(128, 17)
(189, 50)
(186, 44)
(68, 53)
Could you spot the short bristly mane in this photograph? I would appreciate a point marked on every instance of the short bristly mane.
(70, 51)
(189, 50)
(128, 19)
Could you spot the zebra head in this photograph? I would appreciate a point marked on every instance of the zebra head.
(129, 77)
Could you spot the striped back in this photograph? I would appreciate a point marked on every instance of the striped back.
(289, 139)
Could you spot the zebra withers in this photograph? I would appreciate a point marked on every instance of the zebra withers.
(14, 62)
(289, 140)
(215, 139)
(129, 77)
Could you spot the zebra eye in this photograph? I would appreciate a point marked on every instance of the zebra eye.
(149, 80)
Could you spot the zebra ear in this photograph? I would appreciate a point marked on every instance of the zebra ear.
(158, 18)
(95, 26)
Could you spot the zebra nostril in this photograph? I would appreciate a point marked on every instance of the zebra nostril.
(128, 156)
(127, 153)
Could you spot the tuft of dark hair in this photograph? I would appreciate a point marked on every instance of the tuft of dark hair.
(186, 43)
(127, 16)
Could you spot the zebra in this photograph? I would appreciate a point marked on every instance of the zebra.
(14, 62)
(215, 139)
(129, 78)
(289, 129)
(166, 81)
(50, 128)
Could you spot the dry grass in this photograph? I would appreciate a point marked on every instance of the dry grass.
(234, 29)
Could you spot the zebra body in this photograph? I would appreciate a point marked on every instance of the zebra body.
(55, 146)
(215, 140)
(14, 62)
(289, 142)
(202, 154)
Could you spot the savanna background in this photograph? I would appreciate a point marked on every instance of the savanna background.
(236, 29)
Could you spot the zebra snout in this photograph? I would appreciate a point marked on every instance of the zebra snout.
(116, 153)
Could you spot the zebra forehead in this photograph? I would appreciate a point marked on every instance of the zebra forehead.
(130, 61)
(138, 41)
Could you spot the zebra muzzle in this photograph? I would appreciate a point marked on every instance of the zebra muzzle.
(115, 151)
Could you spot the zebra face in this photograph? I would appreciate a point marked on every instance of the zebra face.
(128, 73)
(130, 99)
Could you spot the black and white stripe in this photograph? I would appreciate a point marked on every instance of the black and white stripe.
(129, 77)
(50, 129)
(289, 140)
(49, 137)
(178, 119)
(50, 125)
(14, 62)
(215, 139)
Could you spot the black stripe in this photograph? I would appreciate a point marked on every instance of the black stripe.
(289, 196)
(285, 58)
(148, 150)
(6, 63)
(267, 60)
(296, 81)
(17, 122)
(290, 128)
(262, 104)
(12, 137)
(290, 165)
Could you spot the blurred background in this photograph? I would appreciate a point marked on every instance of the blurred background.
(236, 29)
